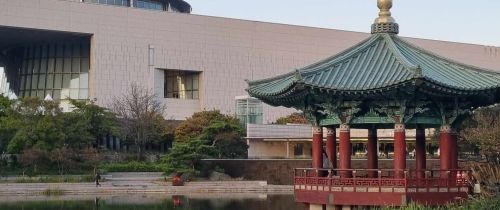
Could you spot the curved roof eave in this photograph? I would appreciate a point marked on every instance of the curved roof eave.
(380, 62)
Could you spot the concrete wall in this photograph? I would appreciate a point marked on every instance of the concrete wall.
(226, 51)
(277, 149)
(281, 171)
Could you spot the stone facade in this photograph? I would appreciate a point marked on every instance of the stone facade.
(225, 51)
(281, 171)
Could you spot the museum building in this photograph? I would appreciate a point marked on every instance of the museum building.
(95, 49)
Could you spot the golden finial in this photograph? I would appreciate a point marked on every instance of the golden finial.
(385, 23)
(384, 16)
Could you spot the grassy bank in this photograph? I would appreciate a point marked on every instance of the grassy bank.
(51, 179)
(131, 167)
(489, 203)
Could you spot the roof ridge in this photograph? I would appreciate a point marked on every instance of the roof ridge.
(339, 56)
(448, 60)
(415, 68)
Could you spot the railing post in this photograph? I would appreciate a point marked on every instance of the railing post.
(427, 178)
(379, 180)
(330, 179)
(448, 179)
(406, 180)
(354, 179)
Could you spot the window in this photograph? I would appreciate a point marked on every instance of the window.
(59, 69)
(110, 2)
(181, 84)
(147, 4)
(298, 149)
(249, 110)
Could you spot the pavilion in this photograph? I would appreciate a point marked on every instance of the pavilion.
(384, 82)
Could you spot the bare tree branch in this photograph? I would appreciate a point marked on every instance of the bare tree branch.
(140, 111)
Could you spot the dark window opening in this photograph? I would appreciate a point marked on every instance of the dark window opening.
(181, 84)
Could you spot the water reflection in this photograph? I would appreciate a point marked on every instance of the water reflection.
(154, 202)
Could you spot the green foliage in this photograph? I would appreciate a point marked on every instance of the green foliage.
(34, 123)
(226, 139)
(131, 167)
(49, 139)
(53, 192)
(101, 120)
(294, 118)
(55, 179)
(194, 125)
(185, 157)
(220, 137)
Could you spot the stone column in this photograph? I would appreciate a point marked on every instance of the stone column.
(331, 146)
(372, 152)
(445, 149)
(317, 147)
(420, 157)
(399, 151)
(345, 150)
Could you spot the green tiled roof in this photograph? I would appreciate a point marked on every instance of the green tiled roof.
(381, 62)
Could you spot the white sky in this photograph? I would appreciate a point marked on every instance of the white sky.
(465, 21)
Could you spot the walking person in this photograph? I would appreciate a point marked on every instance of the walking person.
(97, 178)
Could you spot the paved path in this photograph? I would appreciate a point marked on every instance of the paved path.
(134, 187)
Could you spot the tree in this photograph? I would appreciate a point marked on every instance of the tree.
(184, 157)
(5, 105)
(141, 117)
(194, 125)
(294, 118)
(35, 123)
(35, 158)
(92, 157)
(6, 129)
(483, 130)
(89, 122)
(63, 157)
(227, 140)
(221, 136)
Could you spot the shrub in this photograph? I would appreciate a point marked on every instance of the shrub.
(55, 179)
(131, 167)
(53, 192)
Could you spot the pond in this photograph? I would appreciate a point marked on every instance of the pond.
(155, 202)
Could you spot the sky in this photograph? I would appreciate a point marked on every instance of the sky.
(465, 21)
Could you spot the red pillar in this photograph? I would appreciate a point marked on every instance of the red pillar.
(372, 152)
(420, 158)
(445, 150)
(454, 157)
(454, 151)
(317, 147)
(399, 151)
(345, 150)
(331, 146)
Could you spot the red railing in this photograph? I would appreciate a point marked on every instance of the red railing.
(362, 179)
